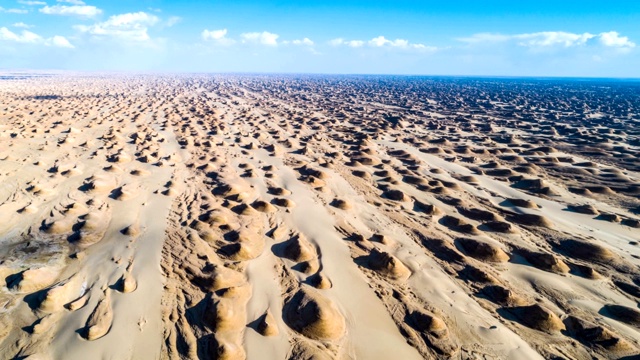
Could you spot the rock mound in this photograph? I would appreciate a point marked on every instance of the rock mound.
(538, 317)
(482, 250)
(388, 265)
(314, 316)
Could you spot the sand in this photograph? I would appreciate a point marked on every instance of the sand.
(234, 217)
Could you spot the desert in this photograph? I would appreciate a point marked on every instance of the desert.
(196, 216)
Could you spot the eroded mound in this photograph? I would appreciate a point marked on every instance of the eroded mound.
(587, 250)
(502, 296)
(434, 331)
(623, 313)
(531, 220)
(298, 249)
(314, 316)
(528, 204)
(538, 317)
(482, 250)
(595, 335)
(545, 261)
(388, 265)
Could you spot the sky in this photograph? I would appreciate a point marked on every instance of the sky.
(564, 38)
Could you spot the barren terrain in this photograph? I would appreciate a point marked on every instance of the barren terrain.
(308, 217)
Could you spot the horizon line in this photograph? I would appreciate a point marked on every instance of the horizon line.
(272, 73)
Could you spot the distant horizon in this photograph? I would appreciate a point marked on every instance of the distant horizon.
(494, 38)
(249, 73)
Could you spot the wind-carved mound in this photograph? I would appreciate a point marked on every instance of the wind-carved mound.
(502, 296)
(546, 262)
(58, 227)
(592, 334)
(478, 214)
(267, 325)
(388, 265)
(500, 226)
(434, 331)
(246, 245)
(314, 316)
(396, 195)
(284, 202)
(628, 288)
(216, 278)
(279, 191)
(477, 274)
(482, 250)
(458, 224)
(245, 209)
(100, 320)
(224, 315)
(299, 249)
(538, 317)
(341, 204)
(587, 251)
(60, 294)
(226, 350)
(528, 204)
(622, 313)
(99, 184)
(34, 279)
(531, 220)
(128, 283)
(537, 186)
(319, 281)
(414, 180)
(425, 208)
(361, 174)
(584, 209)
(123, 193)
(264, 206)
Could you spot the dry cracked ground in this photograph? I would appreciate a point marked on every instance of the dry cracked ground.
(233, 217)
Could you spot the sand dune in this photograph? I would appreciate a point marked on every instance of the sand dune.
(239, 217)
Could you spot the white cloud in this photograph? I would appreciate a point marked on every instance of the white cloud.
(264, 38)
(22, 25)
(381, 41)
(73, 10)
(305, 42)
(28, 37)
(13, 11)
(31, 3)
(25, 36)
(350, 43)
(217, 36)
(214, 34)
(61, 41)
(484, 38)
(336, 42)
(73, 2)
(173, 20)
(613, 39)
(423, 47)
(552, 39)
(130, 26)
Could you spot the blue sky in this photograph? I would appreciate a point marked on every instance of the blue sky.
(509, 38)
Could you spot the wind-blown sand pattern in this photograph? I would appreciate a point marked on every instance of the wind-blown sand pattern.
(233, 217)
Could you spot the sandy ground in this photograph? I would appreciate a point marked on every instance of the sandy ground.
(181, 217)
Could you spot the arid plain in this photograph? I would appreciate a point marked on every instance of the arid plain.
(311, 217)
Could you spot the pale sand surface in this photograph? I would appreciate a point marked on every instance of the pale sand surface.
(234, 217)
